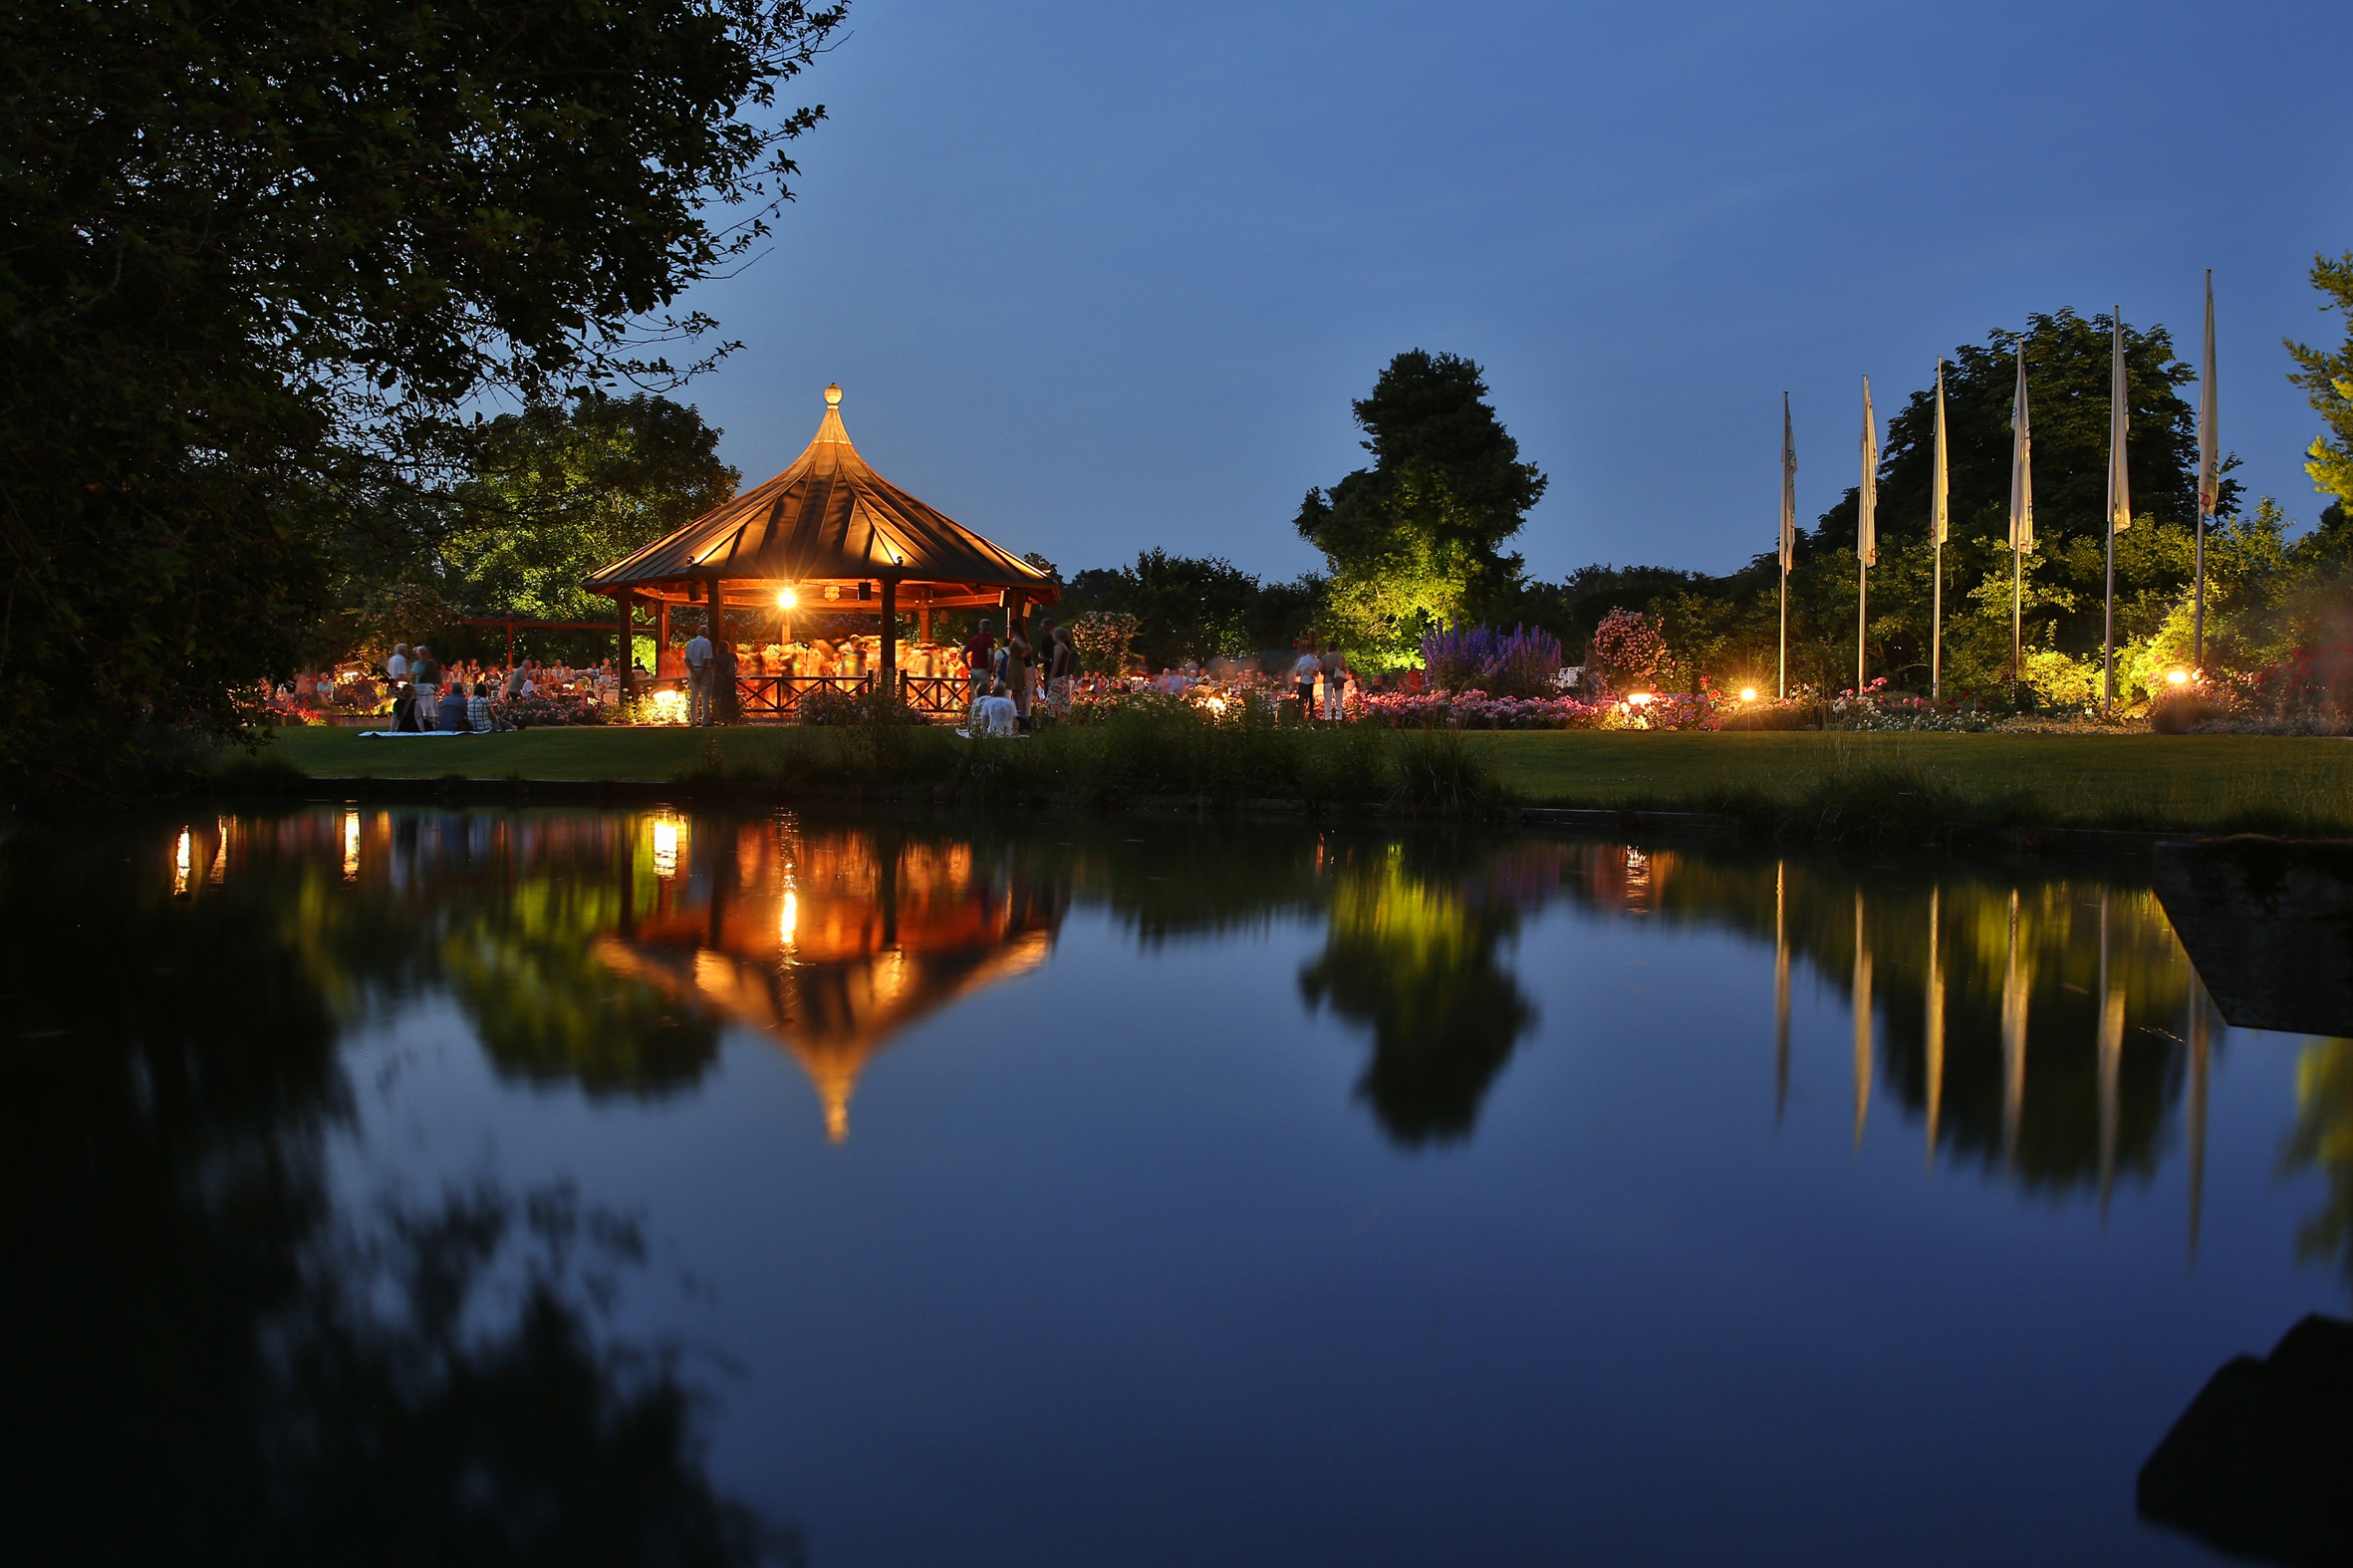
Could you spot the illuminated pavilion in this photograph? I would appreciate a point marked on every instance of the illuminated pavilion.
(830, 533)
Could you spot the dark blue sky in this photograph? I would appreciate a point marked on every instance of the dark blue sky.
(1099, 276)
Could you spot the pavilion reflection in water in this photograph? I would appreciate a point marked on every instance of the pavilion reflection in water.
(830, 942)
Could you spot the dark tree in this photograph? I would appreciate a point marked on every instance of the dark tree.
(247, 246)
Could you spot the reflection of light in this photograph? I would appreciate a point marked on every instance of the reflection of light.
(786, 598)
(789, 918)
(665, 847)
(182, 858)
(2176, 676)
(351, 846)
(1748, 693)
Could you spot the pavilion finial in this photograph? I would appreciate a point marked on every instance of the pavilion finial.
(832, 396)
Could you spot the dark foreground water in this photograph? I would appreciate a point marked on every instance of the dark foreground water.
(416, 1186)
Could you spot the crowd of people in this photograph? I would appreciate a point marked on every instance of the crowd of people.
(418, 692)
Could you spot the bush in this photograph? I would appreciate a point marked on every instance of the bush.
(533, 712)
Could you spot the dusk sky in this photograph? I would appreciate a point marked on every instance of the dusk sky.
(1096, 278)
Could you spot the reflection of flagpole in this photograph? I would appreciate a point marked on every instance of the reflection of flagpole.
(2013, 1044)
(2198, 1069)
(1780, 989)
(1935, 1031)
(2111, 1055)
(1861, 1021)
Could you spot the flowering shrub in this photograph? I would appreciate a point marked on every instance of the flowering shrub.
(1524, 664)
(1628, 645)
(1102, 638)
(553, 709)
(1474, 710)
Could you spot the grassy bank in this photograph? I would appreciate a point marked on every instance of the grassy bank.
(1794, 784)
(1167, 753)
(2201, 783)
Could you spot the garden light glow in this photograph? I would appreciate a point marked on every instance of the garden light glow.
(1640, 699)
(665, 847)
(2176, 676)
(1748, 693)
(786, 598)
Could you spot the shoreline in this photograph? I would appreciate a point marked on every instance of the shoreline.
(1597, 822)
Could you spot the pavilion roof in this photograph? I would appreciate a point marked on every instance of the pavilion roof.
(828, 518)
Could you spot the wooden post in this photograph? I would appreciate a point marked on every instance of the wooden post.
(890, 689)
(629, 651)
(924, 619)
(662, 634)
(510, 642)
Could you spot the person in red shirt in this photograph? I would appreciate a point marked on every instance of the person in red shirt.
(978, 661)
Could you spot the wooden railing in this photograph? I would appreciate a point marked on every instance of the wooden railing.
(779, 696)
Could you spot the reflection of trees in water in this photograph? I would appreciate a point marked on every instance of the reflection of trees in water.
(1410, 952)
(201, 1360)
(2323, 1137)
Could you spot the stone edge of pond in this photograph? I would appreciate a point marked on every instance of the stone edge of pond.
(1688, 825)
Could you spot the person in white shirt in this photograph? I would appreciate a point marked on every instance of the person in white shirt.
(698, 684)
(396, 666)
(1304, 670)
(995, 715)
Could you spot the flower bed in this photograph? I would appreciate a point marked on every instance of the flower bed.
(1876, 708)
(1474, 710)
(551, 710)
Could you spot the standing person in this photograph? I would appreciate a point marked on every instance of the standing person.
(698, 684)
(978, 661)
(425, 675)
(516, 679)
(1018, 673)
(1335, 682)
(396, 668)
(1304, 670)
(1062, 669)
(723, 704)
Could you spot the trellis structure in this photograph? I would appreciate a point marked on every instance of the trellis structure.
(836, 537)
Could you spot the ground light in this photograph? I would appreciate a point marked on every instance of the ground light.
(1748, 693)
(2176, 676)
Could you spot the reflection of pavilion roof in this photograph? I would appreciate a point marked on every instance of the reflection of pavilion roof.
(838, 1000)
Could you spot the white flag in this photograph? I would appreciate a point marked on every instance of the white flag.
(1938, 494)
(2120, 485)
(2209, 474)
(2021, 465)
(1788, 490)
(1867, 503)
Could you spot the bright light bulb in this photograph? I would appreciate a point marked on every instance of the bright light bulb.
(1748, 693)
(786, 598)
(2178, 676)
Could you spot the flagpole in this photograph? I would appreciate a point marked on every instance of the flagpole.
(2120, 499)
(2207, 488)
(1938, 503)
(2022, 520)
(1866, 534)
(1789, 539)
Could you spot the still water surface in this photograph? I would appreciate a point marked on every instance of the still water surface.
(425, 1186)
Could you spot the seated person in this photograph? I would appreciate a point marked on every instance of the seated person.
(478, 717)
(450, 713)
(994, 715)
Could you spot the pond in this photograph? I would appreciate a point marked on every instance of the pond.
(436, 1185)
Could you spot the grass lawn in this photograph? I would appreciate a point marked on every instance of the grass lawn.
(2219, 782)
(2128, 780)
